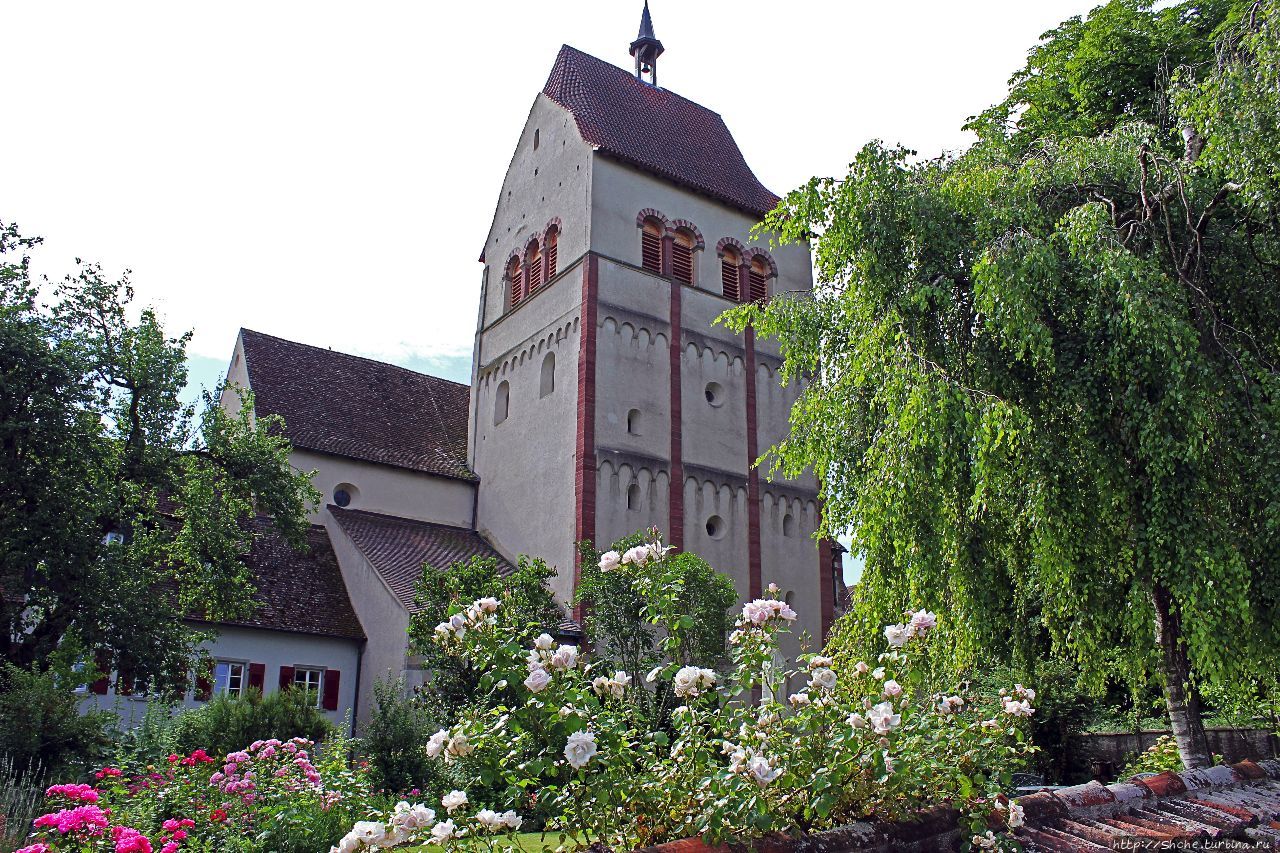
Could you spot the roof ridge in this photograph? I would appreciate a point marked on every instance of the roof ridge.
(346, 354)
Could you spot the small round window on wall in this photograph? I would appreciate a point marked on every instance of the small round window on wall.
(715, 394)
(715, 527)
(344, 494)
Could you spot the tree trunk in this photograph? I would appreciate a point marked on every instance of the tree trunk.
(1182, 700)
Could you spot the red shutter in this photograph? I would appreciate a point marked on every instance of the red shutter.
(332, 678)
(552, 239)
(682, 263)
(729, 279)
(204, 683)
(651, 251)
(257, 676)
(286, 677)
(102, 662)
(517, 293)
(535, 272)
(759, 286)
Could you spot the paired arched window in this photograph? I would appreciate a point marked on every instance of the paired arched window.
(525, 274)
(682, 256)
(758, 280)
(730, 260)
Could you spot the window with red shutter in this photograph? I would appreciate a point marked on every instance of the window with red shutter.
(651, 246)
(553, 239)
(258, 676)
(758, 285)
(332, 678)
(729, 275)
(516, 282)
(533, 268)
(682, 258)
(286, 677)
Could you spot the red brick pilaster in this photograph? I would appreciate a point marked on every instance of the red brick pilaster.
(675, 496)
(585, 447)
(668, 242)
(753, 475)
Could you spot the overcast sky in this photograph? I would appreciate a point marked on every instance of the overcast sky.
(327, 171)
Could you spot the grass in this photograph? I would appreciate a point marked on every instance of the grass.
(527, 842)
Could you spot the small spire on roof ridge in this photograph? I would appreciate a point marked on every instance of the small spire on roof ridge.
(646, 48)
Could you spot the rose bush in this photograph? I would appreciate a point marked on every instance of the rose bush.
(274, 795)
(872, 739)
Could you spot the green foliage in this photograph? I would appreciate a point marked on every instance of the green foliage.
(1040, 376)
(1162, 756)
(41, 724)
(226, 723)
(22, 789)
(395, 740)
(94, 441)
(524, 592)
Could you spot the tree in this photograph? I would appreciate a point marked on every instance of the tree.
(123, 513)
(1041, 377)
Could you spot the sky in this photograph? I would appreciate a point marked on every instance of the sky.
(327, 171)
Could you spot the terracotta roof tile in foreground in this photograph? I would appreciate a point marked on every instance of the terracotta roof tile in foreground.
(298, 591)
(356, 407)
(655, 129)
(399, 547)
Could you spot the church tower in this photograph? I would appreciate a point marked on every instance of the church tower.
(605, 400)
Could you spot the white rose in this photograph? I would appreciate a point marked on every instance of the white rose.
(687, 680)
(950, 704)
(897, 635)
(601, 685)
(878, 673)
(861, 668)
(758, 612)
(892, 688)
(1017, 817)
(579, 749)
(488, 605)
(761, 772)
(565, 657)
(820, 662)
(436, 743)
(544, 642)
(489, 819)
(459, 746)
(653, 674)
(420, 817)
(538, 680)
(882, 717)
(609, 561)
(368, 832)
(922, 621)
(786, 613)
(1017, 708)
(798, 700)
(637, 556)
(824, 679)
(857, 721)
(454, 800)
(348, 844)
(511, 820)
(443, 831)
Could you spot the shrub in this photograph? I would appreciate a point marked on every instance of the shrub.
(41, 724)
(21, 792)
(1159, 757)
(226, 723)
(869, 739)
(395, 738)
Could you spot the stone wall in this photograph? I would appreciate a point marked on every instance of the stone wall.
(1102, 755)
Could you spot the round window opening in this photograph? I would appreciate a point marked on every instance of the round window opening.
(343, 494)
(715, 527)
(715, 394)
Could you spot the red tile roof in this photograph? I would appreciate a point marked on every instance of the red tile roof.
(655, 129)
(399, 547)
(360, 408)
(299, 591)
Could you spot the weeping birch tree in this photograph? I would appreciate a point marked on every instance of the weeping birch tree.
(1043, 374)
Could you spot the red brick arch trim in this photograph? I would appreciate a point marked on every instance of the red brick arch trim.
(650, 213)
(729, 241)
(514, 256)
(756, 252)
(553, 225)
(536, 238)
(686, 225)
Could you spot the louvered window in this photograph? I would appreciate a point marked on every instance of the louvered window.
(533, 268)
(757, 283)
(553, 239)
(517, 282)
(729, 277)
(651, 247)
(682, 258)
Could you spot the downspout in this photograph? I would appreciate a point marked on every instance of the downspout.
(355, 700)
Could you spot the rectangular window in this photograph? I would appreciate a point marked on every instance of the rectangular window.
(228, 678)
(308, 679)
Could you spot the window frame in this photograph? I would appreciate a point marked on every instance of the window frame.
(318, 672)
(221, 689)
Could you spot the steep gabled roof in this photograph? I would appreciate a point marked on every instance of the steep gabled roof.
(298, 591)
(356, 407)
(399, 547)
(655, 129)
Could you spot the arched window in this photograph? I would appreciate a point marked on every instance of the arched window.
(758, 280)
(516, 281)
(553, 239)
(788, 525)
(730, 260)
(502, 403)
(682, 256)
(633, 496)
(651, 245)
(633, 422)
(547, 383)
(533, 266)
